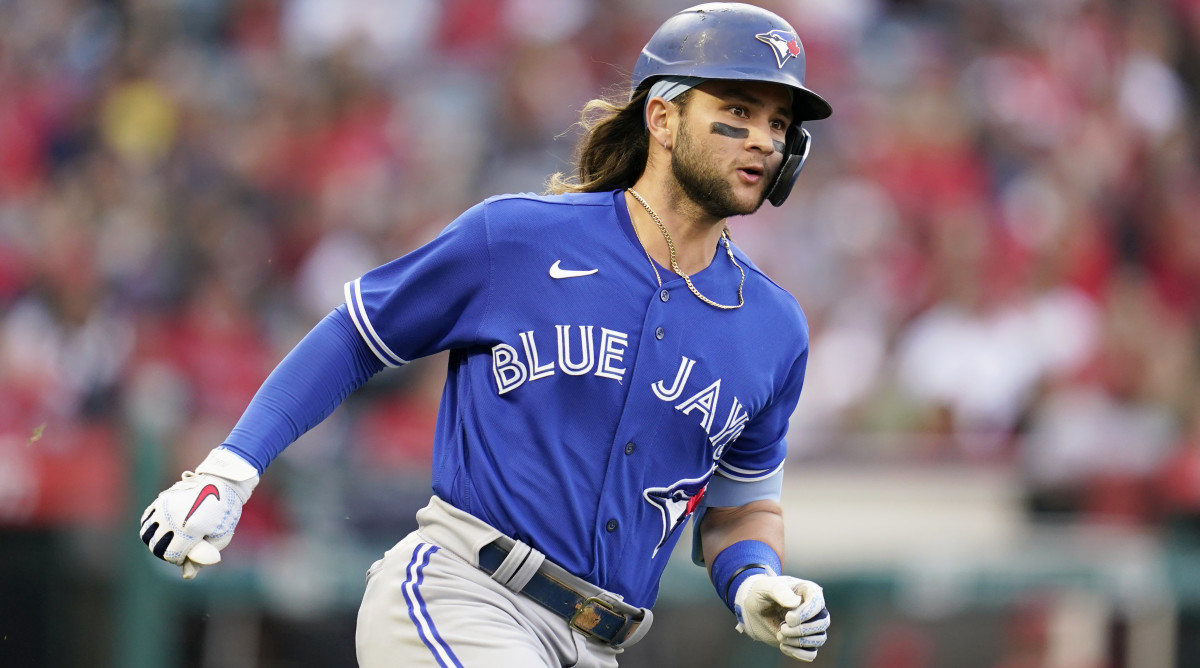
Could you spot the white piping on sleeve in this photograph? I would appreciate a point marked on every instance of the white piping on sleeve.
(359, 315)
(746, 475)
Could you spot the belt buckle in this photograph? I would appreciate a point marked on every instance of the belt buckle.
(585, 618)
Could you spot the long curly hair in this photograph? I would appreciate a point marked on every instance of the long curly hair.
(615, 144)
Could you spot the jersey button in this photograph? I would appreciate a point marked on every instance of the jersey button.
(665, 295)
(611, 526)
(659, 333)
(629, 448)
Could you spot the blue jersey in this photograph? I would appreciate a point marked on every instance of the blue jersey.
(586, 408)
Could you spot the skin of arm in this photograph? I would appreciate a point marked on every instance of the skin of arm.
(757, 520)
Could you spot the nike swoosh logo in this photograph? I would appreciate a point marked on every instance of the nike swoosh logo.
(558, 272)
(209, 490)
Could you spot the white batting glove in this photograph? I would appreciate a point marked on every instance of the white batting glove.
(783, 611)
(189, 523)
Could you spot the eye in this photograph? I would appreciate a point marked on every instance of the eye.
(779, 125)
(739, 111)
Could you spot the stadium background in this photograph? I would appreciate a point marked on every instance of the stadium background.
(996, 242)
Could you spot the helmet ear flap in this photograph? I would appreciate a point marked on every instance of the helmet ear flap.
(799, 142)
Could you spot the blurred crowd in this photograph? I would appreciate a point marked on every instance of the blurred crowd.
(996, 239)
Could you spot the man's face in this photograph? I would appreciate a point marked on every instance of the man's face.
(730, 145)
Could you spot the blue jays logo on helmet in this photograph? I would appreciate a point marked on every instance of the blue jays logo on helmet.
(785, 44)
(720, 40)
(676, 502)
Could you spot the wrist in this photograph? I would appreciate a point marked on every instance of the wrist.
(738, 563)
(224, 463)
(740, 588)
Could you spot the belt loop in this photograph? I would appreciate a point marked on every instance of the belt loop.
(514, 559)
(521, 564)
(527, 570)
(643, 627)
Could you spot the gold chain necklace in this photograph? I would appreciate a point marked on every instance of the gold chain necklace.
(675, 262)
(653, 264)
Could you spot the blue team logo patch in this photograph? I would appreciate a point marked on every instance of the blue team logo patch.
(676, 503)
(785, 45)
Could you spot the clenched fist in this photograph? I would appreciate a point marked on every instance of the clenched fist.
(783, 611)
(190, 522)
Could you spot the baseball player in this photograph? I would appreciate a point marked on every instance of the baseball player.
(616, 367)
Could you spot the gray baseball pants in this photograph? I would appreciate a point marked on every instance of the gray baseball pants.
(427, 604)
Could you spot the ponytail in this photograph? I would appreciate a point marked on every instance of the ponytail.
(612, 153)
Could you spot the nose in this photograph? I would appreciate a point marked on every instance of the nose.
(763, 140)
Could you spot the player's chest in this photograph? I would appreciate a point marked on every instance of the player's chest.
(659, 353)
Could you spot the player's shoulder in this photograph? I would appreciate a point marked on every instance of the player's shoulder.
(519, 214)
(602, 198)
(782, 303)
(526, 216)
(526, 202)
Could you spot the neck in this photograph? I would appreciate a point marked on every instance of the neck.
(694, 233)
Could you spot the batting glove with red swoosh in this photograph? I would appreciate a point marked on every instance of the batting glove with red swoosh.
(189, 523)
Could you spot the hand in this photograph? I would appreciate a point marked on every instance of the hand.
(189, 523)
(783, 611)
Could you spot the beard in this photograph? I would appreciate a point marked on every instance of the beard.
(696, 172)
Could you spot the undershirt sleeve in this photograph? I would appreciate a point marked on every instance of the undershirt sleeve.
(329, 363)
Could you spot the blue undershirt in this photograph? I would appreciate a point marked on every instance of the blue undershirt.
(329, 363)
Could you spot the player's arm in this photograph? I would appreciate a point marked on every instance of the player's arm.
(428, 300)
(743, 547)
(758, 520)
(191, 522)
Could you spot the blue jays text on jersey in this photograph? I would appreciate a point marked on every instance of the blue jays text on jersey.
(586, 408)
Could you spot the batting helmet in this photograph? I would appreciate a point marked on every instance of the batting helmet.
(729, 40)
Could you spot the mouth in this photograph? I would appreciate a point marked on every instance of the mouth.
(750, 175)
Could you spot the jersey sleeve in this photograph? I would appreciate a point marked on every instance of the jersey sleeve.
(759, 452)
(752, 468)
(429, 300)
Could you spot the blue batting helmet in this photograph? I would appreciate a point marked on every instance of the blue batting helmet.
(729, 40)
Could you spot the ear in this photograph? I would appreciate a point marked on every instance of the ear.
(659, 120)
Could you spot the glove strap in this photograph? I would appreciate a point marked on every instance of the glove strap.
(739, 561)
(227, 464)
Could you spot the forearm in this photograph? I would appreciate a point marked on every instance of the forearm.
(757, 520)
(327, 365)
(743, 547)
(312, 380)
(741, 541)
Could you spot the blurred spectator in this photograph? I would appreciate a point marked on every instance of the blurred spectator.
(210, 173)
(996, 240)
(1096, 441)
(1178, 481)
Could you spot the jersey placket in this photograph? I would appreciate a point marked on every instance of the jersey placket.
(628, 527)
